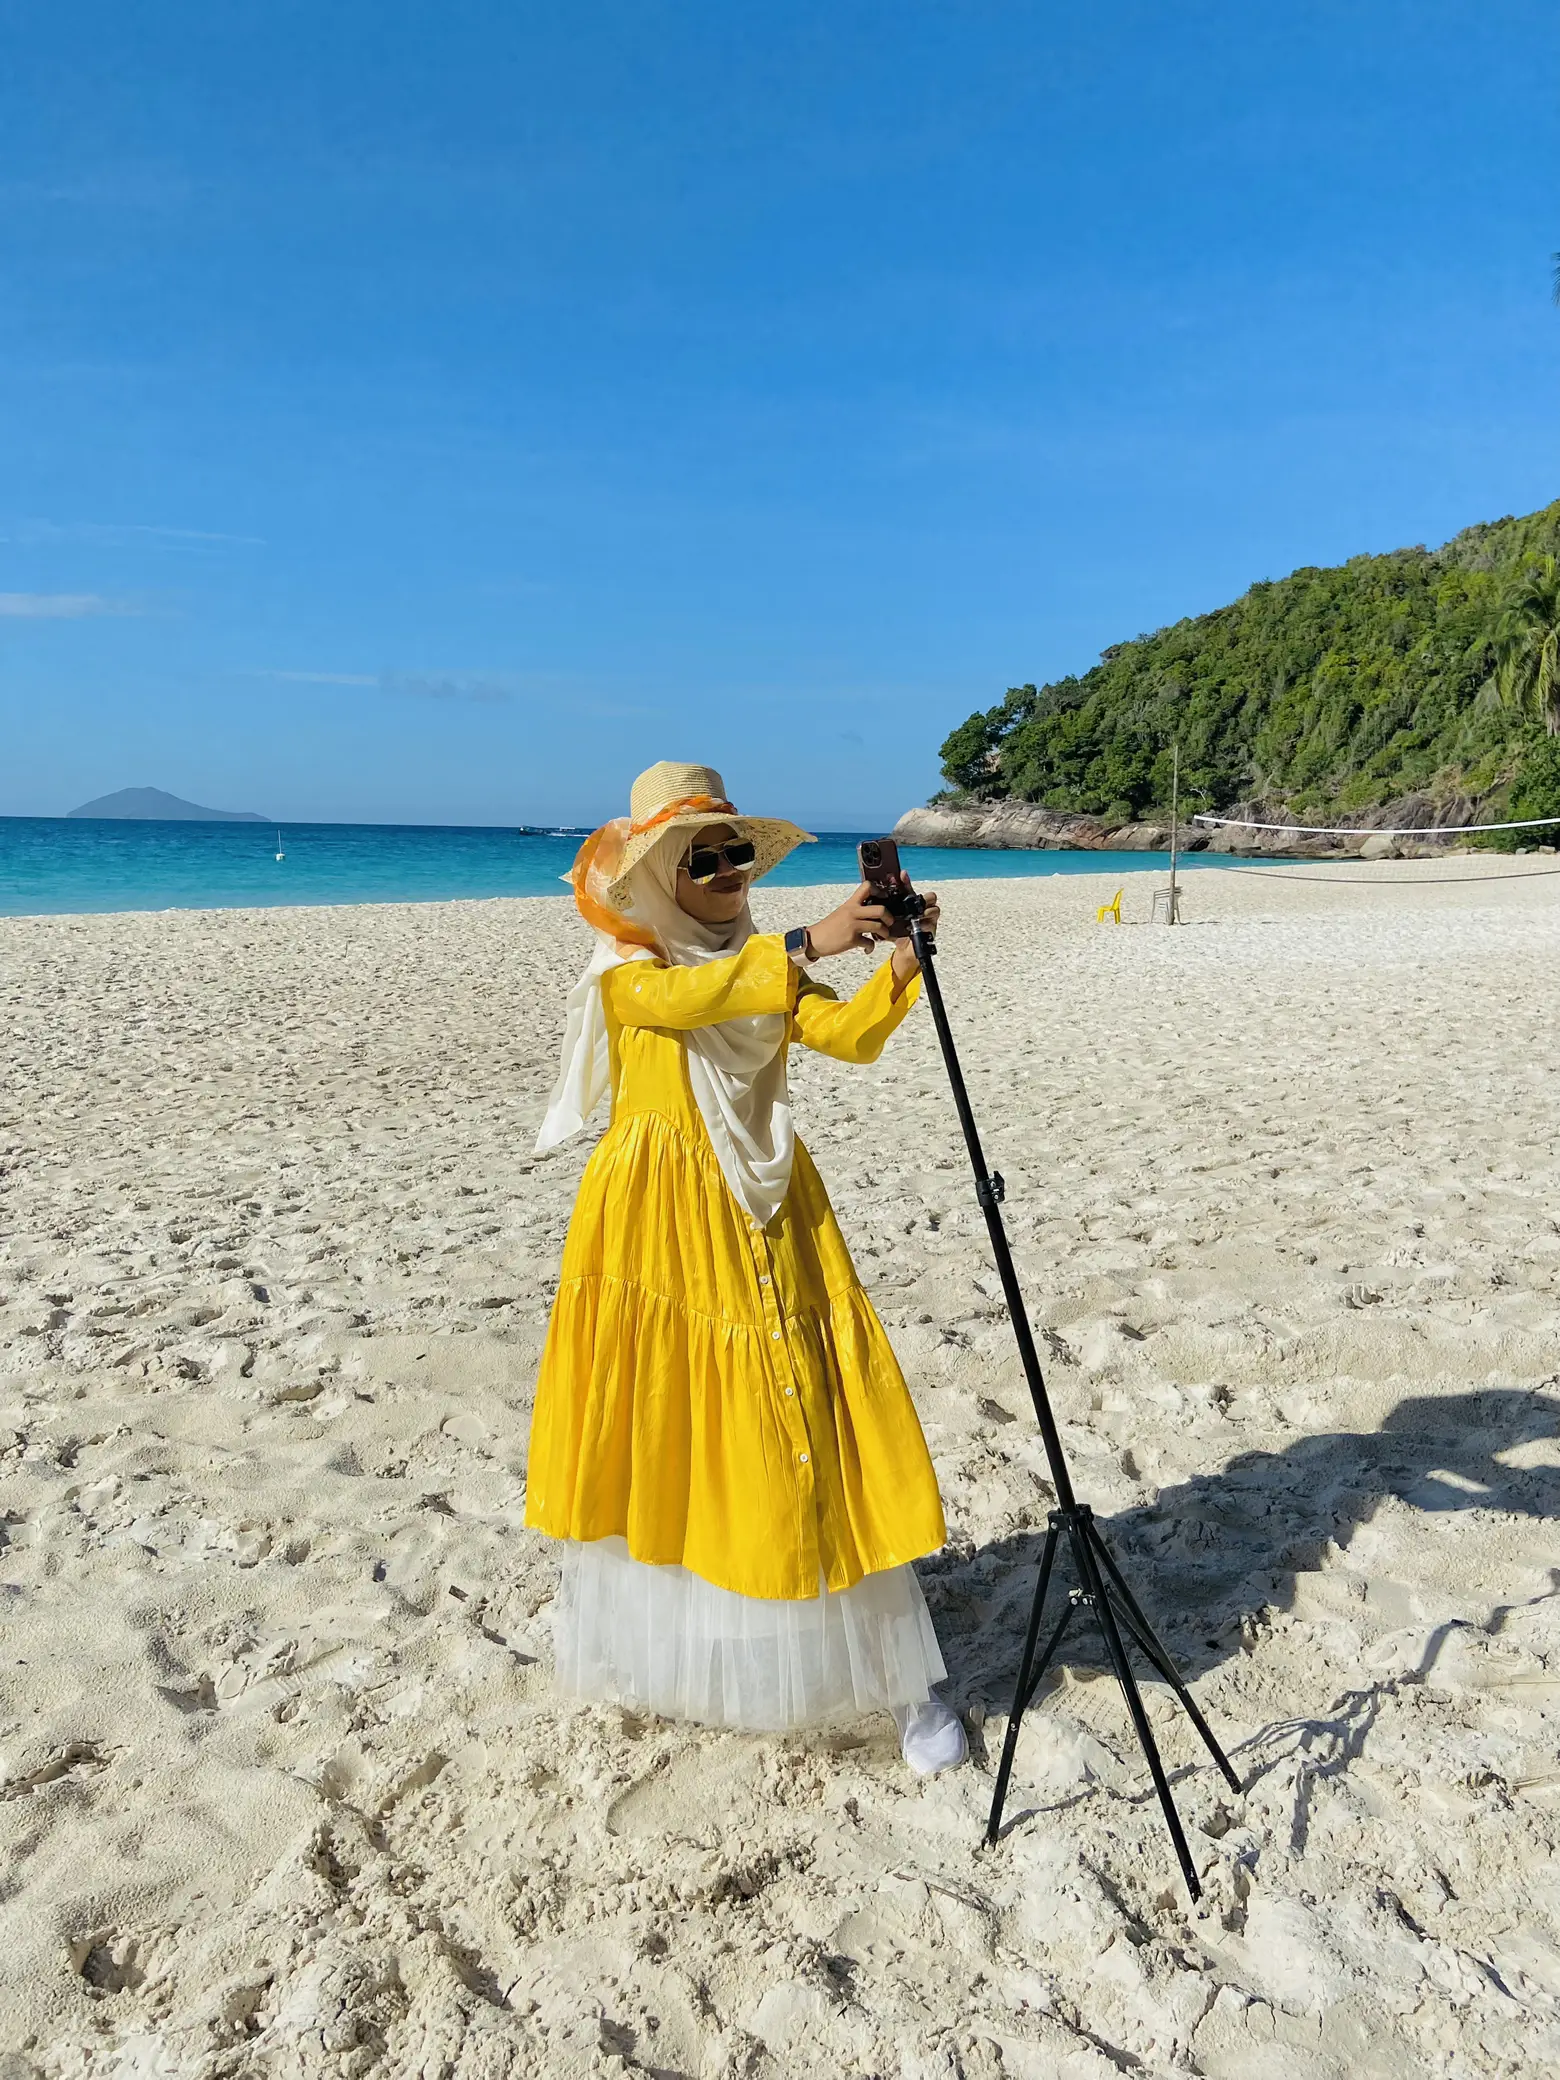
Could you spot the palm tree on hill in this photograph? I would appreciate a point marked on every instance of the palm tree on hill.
(1527, 643)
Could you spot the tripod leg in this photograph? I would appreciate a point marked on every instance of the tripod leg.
(1158, 1653)
(1147, 1644)
(1020, 1706)
(1091, 1560)
(1155, 1654)
(1089, 1572)
(1022, 1689)
(1047, 1654)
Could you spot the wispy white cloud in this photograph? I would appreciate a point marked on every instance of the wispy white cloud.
(417, 686)
(481, 689)
(186, 534)
(447, 686)
(323, 678)
(120, 187)
(60, 606)
(33, 534)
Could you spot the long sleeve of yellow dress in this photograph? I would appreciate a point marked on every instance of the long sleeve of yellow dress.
(858, 1029)
(761, 978)
(718, 1393)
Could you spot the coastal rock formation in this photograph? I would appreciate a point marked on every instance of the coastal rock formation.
(1025, 827)
(1367, 838)
(1012, 826)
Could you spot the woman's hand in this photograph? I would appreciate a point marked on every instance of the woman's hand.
(857, 925)
(904, 962)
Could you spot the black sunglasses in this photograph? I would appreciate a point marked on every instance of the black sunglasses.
(705, 861)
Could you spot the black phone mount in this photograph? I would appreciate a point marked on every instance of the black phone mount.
(1100, 1588)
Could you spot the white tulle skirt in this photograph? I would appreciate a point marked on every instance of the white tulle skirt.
(664, 1640)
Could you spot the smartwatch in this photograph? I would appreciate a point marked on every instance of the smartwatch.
(798, 946)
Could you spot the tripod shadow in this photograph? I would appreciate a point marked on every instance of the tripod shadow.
(1209, 1556)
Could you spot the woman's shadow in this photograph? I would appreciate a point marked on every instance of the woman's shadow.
(1210, 1557)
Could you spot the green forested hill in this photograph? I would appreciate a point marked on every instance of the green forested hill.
(1326, 691)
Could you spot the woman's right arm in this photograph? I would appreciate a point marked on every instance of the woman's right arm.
(858, 1029)
(748, 984)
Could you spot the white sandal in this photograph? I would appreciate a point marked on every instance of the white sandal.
(931, 1736)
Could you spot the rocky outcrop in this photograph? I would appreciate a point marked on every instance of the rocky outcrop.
(1025, 827)
(1408, 812)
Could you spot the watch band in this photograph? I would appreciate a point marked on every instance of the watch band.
(798, 945)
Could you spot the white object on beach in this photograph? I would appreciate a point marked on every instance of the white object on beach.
(669, 1642)
(931, 1737)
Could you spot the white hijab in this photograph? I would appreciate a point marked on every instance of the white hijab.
(737, 1069)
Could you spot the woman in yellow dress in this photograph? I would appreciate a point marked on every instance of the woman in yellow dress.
(722, 1436)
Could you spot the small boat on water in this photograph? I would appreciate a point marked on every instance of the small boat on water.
(279, 852)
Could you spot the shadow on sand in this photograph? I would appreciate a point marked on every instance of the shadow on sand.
(1210, 1556)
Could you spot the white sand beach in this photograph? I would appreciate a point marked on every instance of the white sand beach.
(284, 1787)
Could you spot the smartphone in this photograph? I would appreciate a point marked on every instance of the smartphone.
(880, 869)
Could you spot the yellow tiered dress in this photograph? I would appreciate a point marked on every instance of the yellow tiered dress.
(717, 1394)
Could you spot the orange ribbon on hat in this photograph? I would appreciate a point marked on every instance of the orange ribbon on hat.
(705, 804)
(597, 861)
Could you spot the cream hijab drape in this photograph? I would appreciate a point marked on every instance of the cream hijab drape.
(737, 1069)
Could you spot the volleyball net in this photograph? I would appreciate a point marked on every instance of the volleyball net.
(1304, 871)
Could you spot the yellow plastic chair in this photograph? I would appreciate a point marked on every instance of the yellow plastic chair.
(1110, 910)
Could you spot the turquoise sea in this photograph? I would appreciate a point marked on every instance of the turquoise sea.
(50, 865)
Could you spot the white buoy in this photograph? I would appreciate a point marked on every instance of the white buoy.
(279, 852)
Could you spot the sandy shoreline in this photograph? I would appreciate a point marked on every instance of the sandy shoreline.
(283, 1786)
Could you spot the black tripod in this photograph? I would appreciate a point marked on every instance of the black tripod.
(1101, 1588)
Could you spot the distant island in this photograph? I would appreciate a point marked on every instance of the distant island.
(1411, 689)
(151, 805)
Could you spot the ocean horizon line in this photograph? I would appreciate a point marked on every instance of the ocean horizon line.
(87, 866)
(250, 823)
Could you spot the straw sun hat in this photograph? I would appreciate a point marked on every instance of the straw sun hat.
(671, 797)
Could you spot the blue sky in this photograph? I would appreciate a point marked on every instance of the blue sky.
(436, 413)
